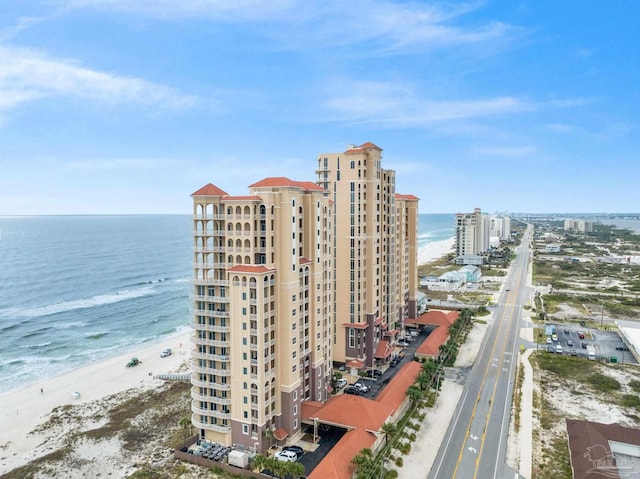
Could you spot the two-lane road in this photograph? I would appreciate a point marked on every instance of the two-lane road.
(475, 443)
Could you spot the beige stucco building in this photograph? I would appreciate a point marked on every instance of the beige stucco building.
(375, 242)
(290, 279)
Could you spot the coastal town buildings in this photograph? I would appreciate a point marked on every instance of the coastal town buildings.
(578, 226)
(469, 233)
(290, 280)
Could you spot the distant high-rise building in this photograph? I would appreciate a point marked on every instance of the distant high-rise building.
(501, 227)
(469, 237)
(290, 279)
(578, 226)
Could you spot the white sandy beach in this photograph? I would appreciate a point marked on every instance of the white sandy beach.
(24, 409)
(435, 250)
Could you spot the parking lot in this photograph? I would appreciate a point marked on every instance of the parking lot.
(607, 344)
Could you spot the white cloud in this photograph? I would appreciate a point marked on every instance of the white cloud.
(395, 104)
(392, 25)
(27, 75)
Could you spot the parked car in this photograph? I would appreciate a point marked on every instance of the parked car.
(374, 373)
(583, 345)
(165, 353)
(361, 387)
(297, 450)
(581, 334)
(286, 456)
(569, 343)
(574, 352)
(340, 383)
(352, 390)
(395, 361)
(622, 347)
(549, 340)
(414, 333)
(133, 362)
(566, 331)
(403, 343)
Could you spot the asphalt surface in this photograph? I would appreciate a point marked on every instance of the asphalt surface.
(476, 441)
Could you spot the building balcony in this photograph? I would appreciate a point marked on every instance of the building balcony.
(205, 370)
(210, 328)
(211, 427)
(196, 396)
(207, 384)
(211, 342)
(209, 299)
(214, 357)
(209, 249)
(195, 408)
(210, 282)
(215, 232)
(212, 265)
(209, 313)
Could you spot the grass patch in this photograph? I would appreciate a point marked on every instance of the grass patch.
(603, 383)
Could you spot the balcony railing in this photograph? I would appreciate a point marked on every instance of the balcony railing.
(196, 396)
(210, 282)
(214, 357)
(211, 427)
(207, 370)
(207, 384)
(210, 299)
(211, 342)
(208, 313)
(208, 327)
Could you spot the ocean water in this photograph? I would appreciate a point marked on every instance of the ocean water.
(77, 289)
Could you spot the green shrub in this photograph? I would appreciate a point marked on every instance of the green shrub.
(603, 383)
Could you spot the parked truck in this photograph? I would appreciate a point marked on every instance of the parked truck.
(591, 352)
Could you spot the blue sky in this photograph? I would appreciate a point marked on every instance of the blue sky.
(122, 106)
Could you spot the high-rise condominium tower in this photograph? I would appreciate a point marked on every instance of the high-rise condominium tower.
(289, 280)
(262, 302)
(375, 254)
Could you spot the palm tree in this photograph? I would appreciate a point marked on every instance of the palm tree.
(423, 380)
(259, 462)
(415, 393)
(389, 430)
(363, 462)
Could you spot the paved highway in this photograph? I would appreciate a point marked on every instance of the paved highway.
(476, 441)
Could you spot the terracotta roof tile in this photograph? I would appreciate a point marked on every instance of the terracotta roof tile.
(407, 197)
(249, 268)
(354, 363)
(383, 350)
(283, 181)
(395, 392)
(309, 408)
(355, 325)
(364, 146)
(349, 410)
(431, 345)
(435, 318)
(337, 463)
(280, 434)
(209, 190)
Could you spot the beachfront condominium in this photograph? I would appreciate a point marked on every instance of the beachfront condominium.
(375, 255)
(468, 233)
(262, 309)
(290, 280)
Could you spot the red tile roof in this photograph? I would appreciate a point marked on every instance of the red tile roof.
(280, 434)
(351, 411)
(310, 408)
(337, 463)
(209, 190)
(249, 268)
(364, 146)
(395, 392)
(383, 349)
(355, 325)
(304, 260)
(431, 346)
(354, 363)
(407, 197)
(435, 318)
(283, 181)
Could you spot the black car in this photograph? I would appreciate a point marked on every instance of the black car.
(566, 331)
(622, 347)
(297, 450)
(583, 345)
(374, 373)
(352, 390)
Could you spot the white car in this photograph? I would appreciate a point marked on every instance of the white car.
(286, 456)
(165, 353)
(342, 382)
(361, 387)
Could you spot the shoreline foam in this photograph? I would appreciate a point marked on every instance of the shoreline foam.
(26, 408)
(435, 250)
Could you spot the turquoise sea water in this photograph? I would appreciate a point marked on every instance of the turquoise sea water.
(76, 289)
